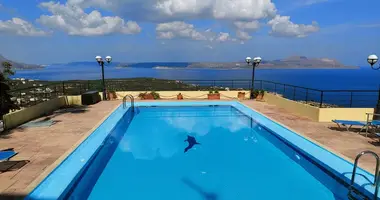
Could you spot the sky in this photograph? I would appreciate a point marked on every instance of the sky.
(45, 32)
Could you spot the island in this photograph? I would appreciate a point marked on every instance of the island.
(292, 62)
(18, 65)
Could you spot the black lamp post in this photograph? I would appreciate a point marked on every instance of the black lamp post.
(256, 61)
(100, 61)
(372, 60)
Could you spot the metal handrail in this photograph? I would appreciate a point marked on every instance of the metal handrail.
(132, 101)
(375, 182)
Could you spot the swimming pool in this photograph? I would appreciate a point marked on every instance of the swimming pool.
(242, 155)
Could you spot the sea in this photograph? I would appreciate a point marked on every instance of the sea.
(363, 78)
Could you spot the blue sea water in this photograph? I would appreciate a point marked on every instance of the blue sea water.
(237, 159)
(352, 79)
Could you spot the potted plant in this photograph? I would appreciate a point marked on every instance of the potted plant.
(255, 93)
(179, 96)
(260, 95)
(213, 95)
(111, 95)
(146, 96)
(155, 95)
(241, 95)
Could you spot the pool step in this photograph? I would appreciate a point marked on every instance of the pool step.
(354, 195)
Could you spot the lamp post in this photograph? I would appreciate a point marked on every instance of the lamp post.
(256, 61)
(372, 60)
(100, 61)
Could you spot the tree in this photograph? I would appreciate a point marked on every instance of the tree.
(5, 98)
(7, 71)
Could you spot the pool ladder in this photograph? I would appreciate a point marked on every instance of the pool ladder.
(132, 101)
(375, 182)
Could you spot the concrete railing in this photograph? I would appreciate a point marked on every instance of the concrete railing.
(186, 94)
(318, 114)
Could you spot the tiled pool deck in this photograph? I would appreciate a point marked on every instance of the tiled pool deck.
(44, 145)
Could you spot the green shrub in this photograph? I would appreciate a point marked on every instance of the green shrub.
(155, 95)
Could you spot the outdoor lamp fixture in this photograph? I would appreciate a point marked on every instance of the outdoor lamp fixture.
(255, 62)
(372, 60)
(100, 61)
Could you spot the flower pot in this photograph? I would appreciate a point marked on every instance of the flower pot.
(241, 95)
(148, 97)
(213, 96)
(259, 96)
(179, 97)
(111, 96)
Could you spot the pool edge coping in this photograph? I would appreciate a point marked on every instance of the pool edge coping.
(57, 162)
(308, 138)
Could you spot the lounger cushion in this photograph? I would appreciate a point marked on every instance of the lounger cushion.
(376, 122)
(349, 122)
(5, 155)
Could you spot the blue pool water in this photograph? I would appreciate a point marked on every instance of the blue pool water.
(237, 159)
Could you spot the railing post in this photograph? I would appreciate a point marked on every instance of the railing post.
(20, 98)
(321, 101)
(275, 88)
(63, 87)
(307, 95)
(351, 100)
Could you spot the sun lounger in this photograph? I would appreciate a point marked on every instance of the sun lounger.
(349, 123)
(6, 154)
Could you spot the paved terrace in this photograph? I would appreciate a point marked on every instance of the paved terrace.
(44, 145)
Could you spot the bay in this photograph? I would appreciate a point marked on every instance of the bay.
(363, 78)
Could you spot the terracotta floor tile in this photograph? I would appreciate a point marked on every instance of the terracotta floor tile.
(44, 145)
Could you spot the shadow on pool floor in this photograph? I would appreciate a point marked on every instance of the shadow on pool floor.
(206, 195)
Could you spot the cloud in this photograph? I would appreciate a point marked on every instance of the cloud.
(173, 10)
(180, 29)
(283, 27)
(244, 29)
(242, 35)
(252, 25)
(73, 20)
(20, 27)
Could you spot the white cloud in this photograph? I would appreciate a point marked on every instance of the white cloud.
(243, 29)
(242, 35)
(243, 9)
(72, 19)
(169, 10)
(180, 29)
(20, 27)
(283, 27)
(171, 14)
(252, 25)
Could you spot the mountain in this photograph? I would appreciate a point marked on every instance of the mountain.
(292, 62)
(17, 65)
